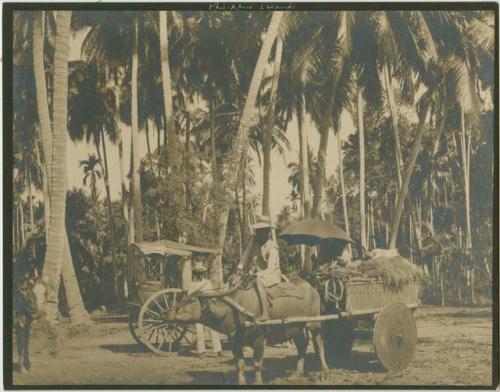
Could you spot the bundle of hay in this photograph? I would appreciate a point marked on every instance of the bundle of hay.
(394, 271)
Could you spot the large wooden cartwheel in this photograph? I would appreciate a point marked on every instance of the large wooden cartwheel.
(395, 336)
(157, 334)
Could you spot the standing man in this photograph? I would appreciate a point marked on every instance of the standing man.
(201, 283)
(263, 247)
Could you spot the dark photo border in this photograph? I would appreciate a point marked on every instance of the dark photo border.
(7, 17)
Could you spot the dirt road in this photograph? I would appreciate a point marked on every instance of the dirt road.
(454, 348)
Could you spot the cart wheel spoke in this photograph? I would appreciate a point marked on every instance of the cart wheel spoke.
(152, 312)
(165, 297)
(153, 321)
(158, 305)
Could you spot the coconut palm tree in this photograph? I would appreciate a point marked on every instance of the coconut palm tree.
(270, 121)
(91, 172)
(77, 311)
(101, 47)
(135, 216)
(241, 143)
(167, 90)
(56, 238)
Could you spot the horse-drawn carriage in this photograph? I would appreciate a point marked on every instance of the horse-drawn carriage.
(158, 277)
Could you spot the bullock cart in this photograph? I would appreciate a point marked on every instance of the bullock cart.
(360, 306)
(158, 277)
(366, 310)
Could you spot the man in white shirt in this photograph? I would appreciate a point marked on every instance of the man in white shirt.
(264, 247)
(201, 283)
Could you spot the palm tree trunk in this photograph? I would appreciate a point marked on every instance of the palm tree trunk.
(213, 149)
(399, 155)
(361, 133)
(187, 165)
(342, 188)
(110, 215)
(148, 143)
(406, 180)
(23, 233)
(120, 149)
(238, 152)
(77, 312)
(45, 189)
(303, 161)
(167, 91)
(16, 239)
(135, 173)
(55, 246)
(304, 179)
(241, 227)
(321, 173)
(372, 221)
(394, 120)
(30, 204)
(465, 171)
(158, 140)
(268, 137)
(43, 112)
(245, 223)
(41, 89)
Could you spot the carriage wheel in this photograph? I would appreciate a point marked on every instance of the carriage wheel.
(338, 337)
(159, 335)
(395, 336)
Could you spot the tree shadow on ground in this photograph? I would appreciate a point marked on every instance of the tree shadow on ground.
(126, 348)
(273, 368)
(484, 314)
(110, 319)
(362, 362)
(280, 368)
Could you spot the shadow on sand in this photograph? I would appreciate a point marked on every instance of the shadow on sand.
(126, 348)
(279, 368)
(480, 314)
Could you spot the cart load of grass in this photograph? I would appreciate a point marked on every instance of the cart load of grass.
(395, 271)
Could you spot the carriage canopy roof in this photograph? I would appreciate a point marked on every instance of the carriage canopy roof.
(166, 247)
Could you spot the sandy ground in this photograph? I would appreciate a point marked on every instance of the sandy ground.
(454, 348)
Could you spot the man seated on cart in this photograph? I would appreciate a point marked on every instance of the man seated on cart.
(263, 247)
(334, 251)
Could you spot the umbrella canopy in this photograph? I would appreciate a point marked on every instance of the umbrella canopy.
(313, 231)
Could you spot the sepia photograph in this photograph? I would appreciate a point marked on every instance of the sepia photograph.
(288, 195)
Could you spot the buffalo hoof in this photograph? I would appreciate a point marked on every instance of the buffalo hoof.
(297, 374)
(323, 374)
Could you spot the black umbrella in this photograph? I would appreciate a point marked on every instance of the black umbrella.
(313, 231)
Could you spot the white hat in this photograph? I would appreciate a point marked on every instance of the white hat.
(263, 223)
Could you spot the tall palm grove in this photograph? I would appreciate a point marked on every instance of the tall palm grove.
(217, 95)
